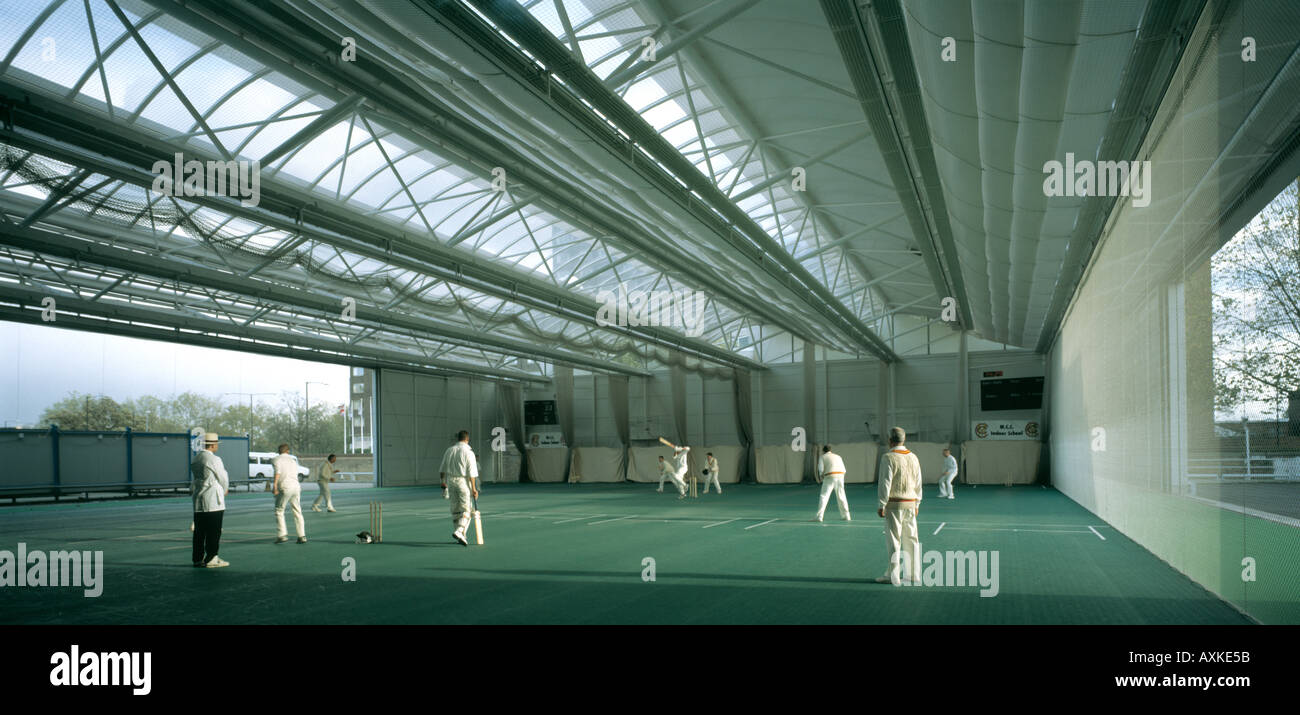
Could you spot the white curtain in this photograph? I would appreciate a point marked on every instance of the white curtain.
(596, 464)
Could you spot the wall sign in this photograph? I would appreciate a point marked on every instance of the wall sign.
(545, 439)
(1004, 430)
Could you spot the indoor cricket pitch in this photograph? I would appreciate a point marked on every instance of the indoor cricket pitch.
(574, 554)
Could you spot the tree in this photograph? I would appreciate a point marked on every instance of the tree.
(88, 412)
(267, 426)
(1256, 279)
(318, 432)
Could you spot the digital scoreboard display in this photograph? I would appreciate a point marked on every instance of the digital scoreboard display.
(1016, 393)
(540, 412)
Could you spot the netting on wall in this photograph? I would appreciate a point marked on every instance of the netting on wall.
(1132, 370)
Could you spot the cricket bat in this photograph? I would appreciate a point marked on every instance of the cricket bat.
(670, 444)
(478, 525)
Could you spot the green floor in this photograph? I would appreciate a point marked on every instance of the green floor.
(574, 554)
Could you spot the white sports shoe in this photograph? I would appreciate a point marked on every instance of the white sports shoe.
(217, 562)
(951, 496)
(315, 508)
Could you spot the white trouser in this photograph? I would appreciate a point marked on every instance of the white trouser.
(712, 478)
(663, 474)
(900, 523)
(324, 495)
(292, 499)
(945, 484)
(679, 480)
(461, 505)
(836, 484)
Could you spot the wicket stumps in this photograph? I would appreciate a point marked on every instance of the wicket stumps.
(377, 521)
(695, 494)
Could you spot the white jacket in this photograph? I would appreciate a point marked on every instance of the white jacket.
(209, 482)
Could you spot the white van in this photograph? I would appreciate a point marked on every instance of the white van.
(259, 466)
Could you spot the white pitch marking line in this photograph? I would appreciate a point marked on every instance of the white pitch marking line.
(1035, 531)
(576, 518)
(939, 529)
(720, 523)
(606, 521)
(755, 526)
(1098, 533)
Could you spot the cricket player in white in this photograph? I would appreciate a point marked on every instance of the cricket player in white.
(324, 475)
(831, 469)
(899, 500)
(208, 489)
(679, 470)
(288, 492)
(949, 474)
(461, 466)
(711, 464)
(664, 472)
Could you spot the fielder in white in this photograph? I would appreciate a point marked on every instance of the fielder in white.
(460, 464)
(288, 492)
(899, 500)
(831, 469)
(324, 475)
(711, 477)
(665, 472)
(679, 469)
(949, 474)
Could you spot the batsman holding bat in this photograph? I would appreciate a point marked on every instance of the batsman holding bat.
(679, 467)
(458, 471)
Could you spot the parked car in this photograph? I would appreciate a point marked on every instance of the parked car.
(259, 466)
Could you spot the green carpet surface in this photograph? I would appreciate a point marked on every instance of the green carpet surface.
(571, 554)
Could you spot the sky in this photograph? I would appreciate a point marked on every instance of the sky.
(40, 365)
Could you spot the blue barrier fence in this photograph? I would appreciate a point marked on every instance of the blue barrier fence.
(54, 462)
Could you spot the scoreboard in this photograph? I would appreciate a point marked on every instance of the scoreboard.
(1016, 393)
(540, 412)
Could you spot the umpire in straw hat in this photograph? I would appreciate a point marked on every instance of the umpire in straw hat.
(208, 488)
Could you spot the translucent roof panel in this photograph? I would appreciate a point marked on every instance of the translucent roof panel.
(379, 171)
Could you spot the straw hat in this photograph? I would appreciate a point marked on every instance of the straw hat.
(210, 438)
